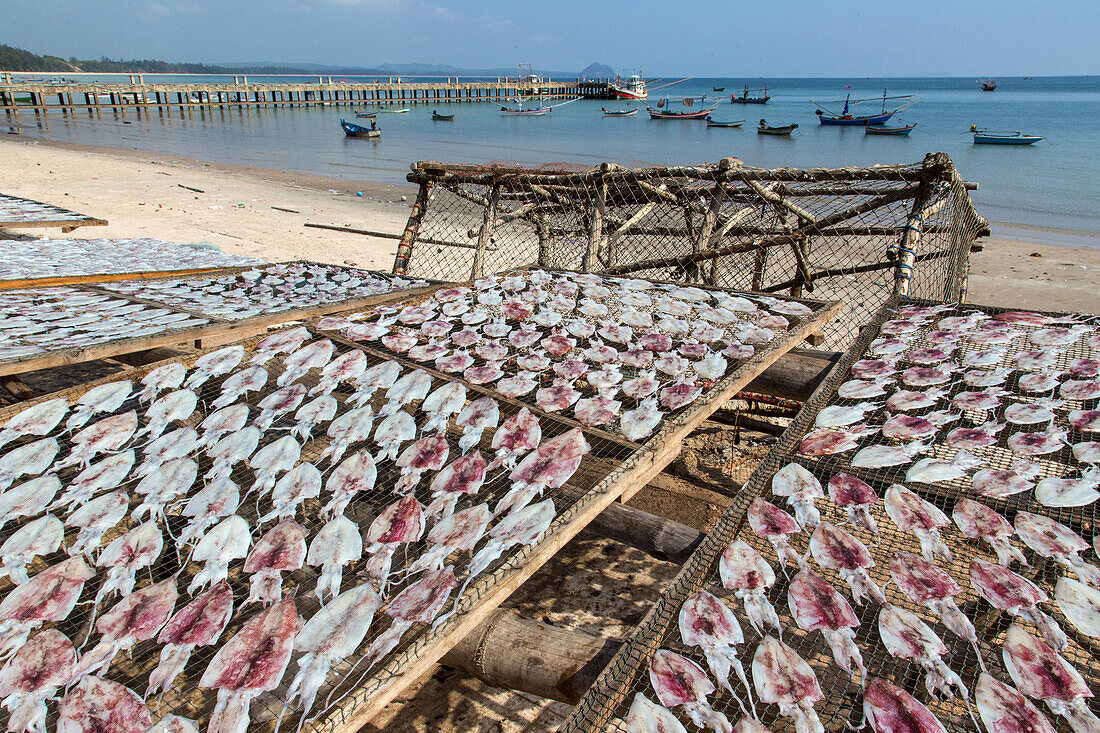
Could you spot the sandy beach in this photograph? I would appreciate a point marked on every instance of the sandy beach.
(143, 195)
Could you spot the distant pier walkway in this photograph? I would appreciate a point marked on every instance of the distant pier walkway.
(68, 96)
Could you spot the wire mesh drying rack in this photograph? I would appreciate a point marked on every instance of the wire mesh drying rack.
(23, 213)
(194, 322)
(351, 693)
(605, 705)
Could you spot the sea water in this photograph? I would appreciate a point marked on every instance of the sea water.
(1052, 184)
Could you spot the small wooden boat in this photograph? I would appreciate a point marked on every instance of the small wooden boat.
(994, 137)
(989, 85)
(718, 89)
(731, 123)
(532, 112)
(353, 130)
(846, 118)
(765, 129)
(619, 112)
(402, 111)
(665, 114)
(442, 118)
(745, 97)
(364, 114)
(884, 130)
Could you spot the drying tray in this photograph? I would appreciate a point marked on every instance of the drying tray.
(26, 213)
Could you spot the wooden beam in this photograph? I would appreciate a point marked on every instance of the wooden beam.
(477, 269)
(656, 536)
(517, 653)
(796, 374)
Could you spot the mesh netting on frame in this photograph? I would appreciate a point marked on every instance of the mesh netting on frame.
(851, 234)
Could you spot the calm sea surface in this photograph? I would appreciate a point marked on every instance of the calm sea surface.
(1055, 183)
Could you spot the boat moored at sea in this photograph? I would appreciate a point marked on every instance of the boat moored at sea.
(846, 118)
(664, 111)
(884, 130)
(442, 118)
(402, 111)
(633, 87)
(989, 85)
(747, 98)
(730, 123)
(364, 114)
(1003, 137)
(765, 129)
(619, 112)
(353, 130)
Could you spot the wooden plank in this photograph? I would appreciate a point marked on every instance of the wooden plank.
(43, 282)
(388, 681)
(67, 225)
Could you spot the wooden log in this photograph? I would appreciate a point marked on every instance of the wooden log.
(656, 536)
(510, 651)
(412, 228)
(486, 234)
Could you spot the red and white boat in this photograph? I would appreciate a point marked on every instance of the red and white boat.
(633, 87)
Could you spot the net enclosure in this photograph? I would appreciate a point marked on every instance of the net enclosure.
(942, 482)
(852, 234)
(45, 259)
(24, 213)
(284, 501)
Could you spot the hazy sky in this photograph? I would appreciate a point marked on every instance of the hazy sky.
(662, 37)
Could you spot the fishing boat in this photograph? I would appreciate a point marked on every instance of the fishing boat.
(846, 117)
(746, 97)
(353, 130)
(884, 130)
(633, 87)
(731, 123)
(619, 112)
(442, 118)
(364, 114)
(663, 109)
(402, 111)
(531, 112)
(718, 89)
(765, 129)
(989, 85)
(995, 137)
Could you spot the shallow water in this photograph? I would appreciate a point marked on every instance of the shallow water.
(1051, 184)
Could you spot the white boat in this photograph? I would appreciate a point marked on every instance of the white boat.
(633, 87)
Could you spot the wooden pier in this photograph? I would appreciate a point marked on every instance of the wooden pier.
(69, 96)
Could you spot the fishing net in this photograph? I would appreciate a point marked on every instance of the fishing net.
(850, 234)
(605, 706)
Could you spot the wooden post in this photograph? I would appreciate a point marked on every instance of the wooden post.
(412, 227)
(702, 240)
(595, 229)
(656, 536)
(489, 220)
(906, 251)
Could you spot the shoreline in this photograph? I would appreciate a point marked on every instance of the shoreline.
(150, 195)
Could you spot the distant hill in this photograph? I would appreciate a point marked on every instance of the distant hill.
(17, 59)
(597, 71)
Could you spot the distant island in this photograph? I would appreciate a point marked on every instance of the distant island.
(17, 59)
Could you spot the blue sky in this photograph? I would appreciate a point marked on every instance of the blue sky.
(774, 39)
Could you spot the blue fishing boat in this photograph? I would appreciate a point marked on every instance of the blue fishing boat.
(353, 130)
(995, 137)
(846, 118)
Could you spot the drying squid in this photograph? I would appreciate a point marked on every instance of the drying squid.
(905, 636)
(1055, 541)
(419, 602)
(708, 623)
(1080, 604)
(231, 450)
(399, 524)
(426, 454)
(912, 513)
(32, 676)
(343, 368)
(678, 681)
(548, 467)
(137, 617)
(1017, 596)
(176, 405)
(318, 410)
(480, 414)
(1042, 674)
(278, 455)
(214, 364)
(801, 488)
(925, 584)
(890, 709)
(977, 521)
(645, 716)
(463, 476)
(856, 497)
(105, 436)
(27, 460)
(299, 363)
(332, 634)
(246, 380)
(168, 376)
(335, 545)
(95, 705)
(222, 422)
(783, 678)
(352, 427)
(125, 555)
(355, 474)
(163, 485)
(392, 431)
(816, 606)
(36, 538)
(745, 572)
(773, 524)
(47, 597)
(95, 518)
(282, 548)
(298, 484)
(411, 387)
(1004, 710)
(835, 549)
(458, 531)
(278, 403)
(176, 444)
(199, 623)
(104, 398)
(250, 663)
(228, 540)
(441, 404)
(28, 498)
(379, 376)
(38, 421)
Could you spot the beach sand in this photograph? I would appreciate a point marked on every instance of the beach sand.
(598, 586)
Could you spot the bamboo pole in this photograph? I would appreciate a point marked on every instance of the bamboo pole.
(412, 228)
(595, 228)
(911, 236)
(477, 270)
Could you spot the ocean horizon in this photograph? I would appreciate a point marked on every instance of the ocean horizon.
(1049, 185)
